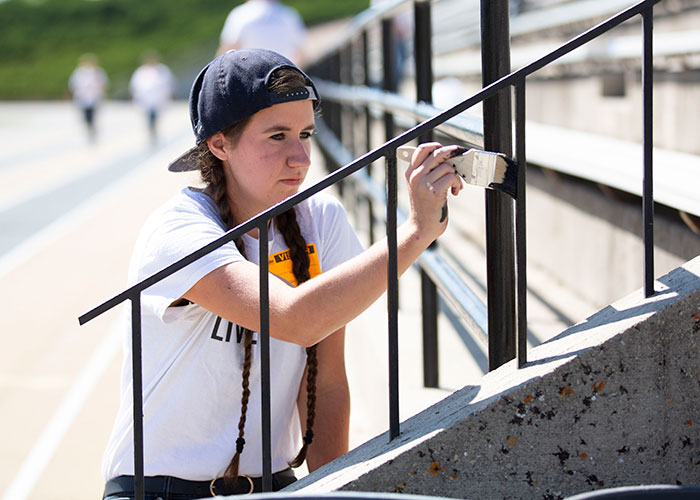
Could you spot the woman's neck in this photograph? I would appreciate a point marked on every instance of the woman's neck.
(239, 216)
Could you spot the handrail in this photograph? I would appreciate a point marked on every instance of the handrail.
(386, 9)
(466, 128)
(462, 299)
(516, 80)
(361, 95)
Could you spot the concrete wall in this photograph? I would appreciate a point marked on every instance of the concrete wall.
(578, 238)
(612, 401)
(592, 242)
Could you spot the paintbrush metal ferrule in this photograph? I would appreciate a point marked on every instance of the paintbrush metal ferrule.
(478, 167)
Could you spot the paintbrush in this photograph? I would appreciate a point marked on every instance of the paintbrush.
(479, 168)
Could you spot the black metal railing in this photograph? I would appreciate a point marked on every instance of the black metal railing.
(433, 267)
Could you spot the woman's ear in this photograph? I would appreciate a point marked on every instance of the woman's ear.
(217, 145)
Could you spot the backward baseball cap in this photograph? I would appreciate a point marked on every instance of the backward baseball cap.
(231, 88)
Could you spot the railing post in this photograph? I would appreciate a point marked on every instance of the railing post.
(500, 260)
(347, 116)
(648, 145)
(347, 122)
(368, 131)
(520, 226)
(335, 119)
(389, 84)
(424, 92)
(389, 80)
(266, 420)
(323, 69)
(392, 294)
(137, 389)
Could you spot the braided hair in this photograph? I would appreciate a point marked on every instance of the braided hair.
(212, 173)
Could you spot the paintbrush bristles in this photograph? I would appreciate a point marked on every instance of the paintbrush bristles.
(487, 169)
(505, 177)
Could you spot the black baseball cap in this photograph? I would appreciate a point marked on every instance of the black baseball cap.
(231, 88)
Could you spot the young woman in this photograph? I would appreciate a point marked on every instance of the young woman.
(253, 116)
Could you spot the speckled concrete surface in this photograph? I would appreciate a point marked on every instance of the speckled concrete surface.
(612, 401)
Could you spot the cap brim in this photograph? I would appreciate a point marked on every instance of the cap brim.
(186, 162)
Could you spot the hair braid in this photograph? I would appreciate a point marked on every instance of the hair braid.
(212, 173)
(231, 473)
(289, 227)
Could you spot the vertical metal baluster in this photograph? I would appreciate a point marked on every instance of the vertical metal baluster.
(137, 389)
(389, 84)
(648, 145)
(392, 296)
(265, 356)
(424, 93)
(368, 131)
(520, 227)
(335, 117)
(500, 245)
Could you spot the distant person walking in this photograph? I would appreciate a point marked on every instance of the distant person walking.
(88, 84)
(265, 24)
(152, 86)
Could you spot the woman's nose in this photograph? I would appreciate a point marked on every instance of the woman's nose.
(300, 156)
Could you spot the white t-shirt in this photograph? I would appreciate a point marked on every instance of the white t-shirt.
(88, 85)
(192, 360)
(265, 24)
(152, 86)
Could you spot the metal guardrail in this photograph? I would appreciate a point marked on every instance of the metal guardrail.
(387, 150)
(469, 131)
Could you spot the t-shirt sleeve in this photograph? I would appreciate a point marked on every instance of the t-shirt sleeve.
(165, 239)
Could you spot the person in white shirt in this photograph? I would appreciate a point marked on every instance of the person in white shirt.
(88, 84)
(253, 115)
(152, 86)
(265, 24)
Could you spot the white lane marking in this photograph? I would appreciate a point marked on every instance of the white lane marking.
(26, 250)
(52, 435)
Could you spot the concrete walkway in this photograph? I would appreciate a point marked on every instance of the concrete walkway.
(70, 212)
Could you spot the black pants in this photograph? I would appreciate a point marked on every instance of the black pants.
(173, 488)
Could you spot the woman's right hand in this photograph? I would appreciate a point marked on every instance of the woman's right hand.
(429, 179)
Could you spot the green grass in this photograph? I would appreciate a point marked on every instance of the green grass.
(42, 40)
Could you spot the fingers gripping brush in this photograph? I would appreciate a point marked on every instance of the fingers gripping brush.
(480, 168)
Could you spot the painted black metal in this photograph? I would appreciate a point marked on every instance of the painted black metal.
(461, 298)
(266, 421)
(500, 247)
(336, 110)
(389, 84)
(387, 150)
(380, 151)
(429, 305)
(368, 131)
(648, 145)
(392, 294)
(423, 51)
(389, 80)
(465, 128)
(137, 394)
(520, 228)
(423, 54)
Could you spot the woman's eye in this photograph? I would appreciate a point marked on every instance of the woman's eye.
(277, 137)
(306, 135)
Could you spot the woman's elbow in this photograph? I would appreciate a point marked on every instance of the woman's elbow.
(299, 329)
